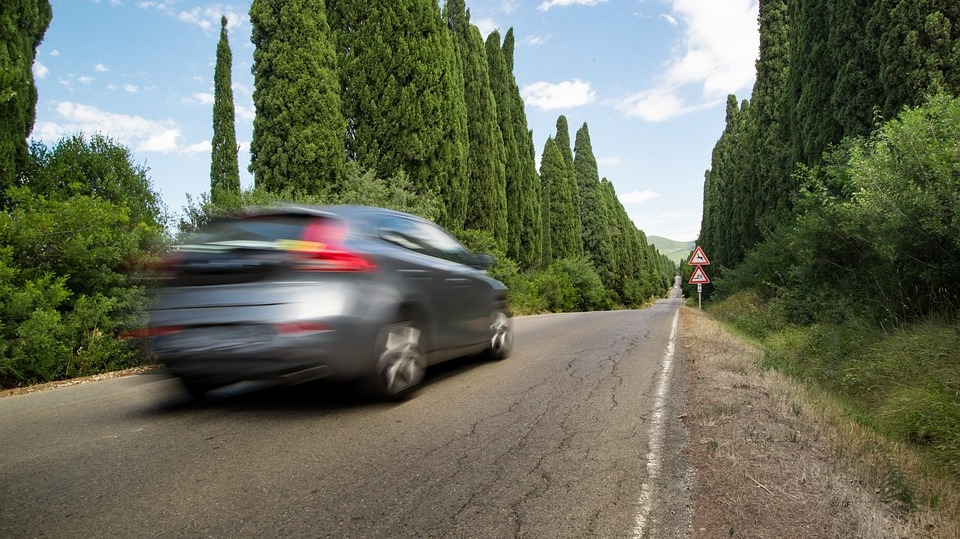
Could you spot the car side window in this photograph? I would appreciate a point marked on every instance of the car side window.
(400, 231)
(422, 237)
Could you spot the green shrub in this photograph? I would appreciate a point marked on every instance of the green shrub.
(73, 238)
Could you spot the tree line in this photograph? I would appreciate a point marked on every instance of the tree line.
(801, 180)
(401, 105)
(407, 88)
(830, 216)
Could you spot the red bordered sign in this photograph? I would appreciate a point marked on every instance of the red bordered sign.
(699, 258)
(699, 276)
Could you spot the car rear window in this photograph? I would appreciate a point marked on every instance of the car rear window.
(262, 231)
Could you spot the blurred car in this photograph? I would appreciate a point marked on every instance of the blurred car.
(346, 293)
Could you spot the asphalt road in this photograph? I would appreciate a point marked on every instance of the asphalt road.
(576, 435)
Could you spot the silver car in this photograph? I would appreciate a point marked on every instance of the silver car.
(346, 293)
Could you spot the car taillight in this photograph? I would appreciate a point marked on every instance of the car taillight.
(300, 328)
(321, 248)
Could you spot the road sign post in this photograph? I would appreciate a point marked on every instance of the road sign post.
(699, 277)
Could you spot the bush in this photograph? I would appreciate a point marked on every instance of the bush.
(74, 236)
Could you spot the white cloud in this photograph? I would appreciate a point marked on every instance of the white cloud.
(100, 68)
(720, 47)
(208, 18)
(245, 113)
(85, 79)
(638, 197)
(40, 71)
(202, 98)
(136, 132)
(669, 18)
(656, 105)
(198, 148)
(563, 3)
(55, 53)
(195, 16)
(161, 142)
(609, 161)
(485, 25)
(130, 88)
(536, 40)
(676, 225)
(563, 95)
(509, 6)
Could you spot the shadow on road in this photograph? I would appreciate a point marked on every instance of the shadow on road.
(310, 398)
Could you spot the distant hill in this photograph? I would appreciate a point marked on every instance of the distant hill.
(674, 250)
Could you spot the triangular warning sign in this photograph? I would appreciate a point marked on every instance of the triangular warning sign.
(698, 258)
(699, 276)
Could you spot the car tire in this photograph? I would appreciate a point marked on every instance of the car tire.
(501, 336)
(401, 362)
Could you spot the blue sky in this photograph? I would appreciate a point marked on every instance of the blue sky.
(648, 77)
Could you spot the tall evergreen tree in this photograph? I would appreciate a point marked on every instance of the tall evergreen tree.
(298, 130)
(23, 24)
(813, 72)
(531, 238)
(774, 185)
(562, 138)
(563, 141)
(918, 45)
(717, 235)
(487, 202)
(595, 217)
(224, 167)
(562, 223)
(500, 85)
(403, 96)
(856, 91)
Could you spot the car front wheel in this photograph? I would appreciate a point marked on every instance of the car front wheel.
(501, 336)
(401, 362)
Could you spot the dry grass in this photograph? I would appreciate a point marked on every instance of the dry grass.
(774, 459)
(74, 381)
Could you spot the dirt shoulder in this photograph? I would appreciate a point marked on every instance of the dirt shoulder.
(74, 381)
(769, 461)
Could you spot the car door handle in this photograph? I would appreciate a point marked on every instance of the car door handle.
(416, 274)
(458, 282)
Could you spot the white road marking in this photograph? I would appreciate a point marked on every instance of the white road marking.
(655, 456)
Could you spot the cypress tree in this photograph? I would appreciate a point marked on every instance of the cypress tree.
(403, 96)
(856, 91)
(531, 237)
(224, 167)
(298, 130)
(562, 138)
(813, 72)
(774, 185)
(563, 217)
(595, 215)
(563, 141)
(500, 86)
(918, 44)
(546, 210)
(487, 202)
(723, 242)
(23, 24)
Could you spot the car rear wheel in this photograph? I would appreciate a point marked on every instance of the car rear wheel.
(501, 336)
(401, 361)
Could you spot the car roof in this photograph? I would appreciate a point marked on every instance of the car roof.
(346, 211)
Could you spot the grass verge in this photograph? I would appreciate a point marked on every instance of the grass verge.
(776, 454)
